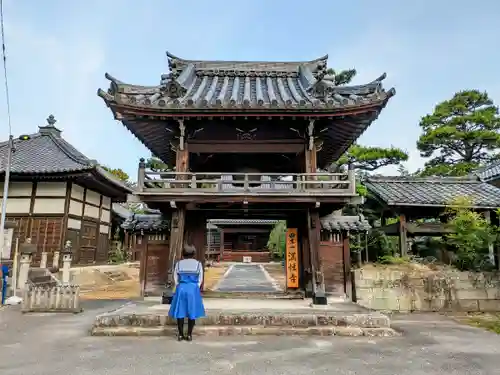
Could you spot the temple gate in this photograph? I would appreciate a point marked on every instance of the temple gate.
(248, 140)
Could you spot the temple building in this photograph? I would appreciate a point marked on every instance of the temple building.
(57, 194)
(247, 140)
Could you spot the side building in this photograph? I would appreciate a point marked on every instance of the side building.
(57, 194)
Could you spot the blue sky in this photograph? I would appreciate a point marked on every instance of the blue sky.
(58, 54)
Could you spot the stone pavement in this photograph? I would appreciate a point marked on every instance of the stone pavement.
(50, 344)
(246, 278)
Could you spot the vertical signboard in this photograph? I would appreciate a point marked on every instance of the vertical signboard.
(7, 245)
(292, 259)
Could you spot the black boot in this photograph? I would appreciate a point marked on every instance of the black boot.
(180, 329)
(191, 323)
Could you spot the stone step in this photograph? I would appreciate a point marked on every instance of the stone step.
(216, 331)
(247, 317)
(267, 319)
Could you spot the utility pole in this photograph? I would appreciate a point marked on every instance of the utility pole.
(10, 150)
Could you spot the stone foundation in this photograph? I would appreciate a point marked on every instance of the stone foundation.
(394, 288)
(283, 318)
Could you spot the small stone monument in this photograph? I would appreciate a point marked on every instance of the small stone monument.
(67, 258)
(27, 250)
(43, 260)
(55, 260)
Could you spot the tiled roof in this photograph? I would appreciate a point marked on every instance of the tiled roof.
(241, 222)
(335, 223)
(146, 222)
(489, 172)
(46, 152)
(215, 85)
(432, 191)
(121, 211)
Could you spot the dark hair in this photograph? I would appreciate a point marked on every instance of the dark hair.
(188, 252)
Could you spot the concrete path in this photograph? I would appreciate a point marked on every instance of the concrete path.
(246, 278)
(59, 344)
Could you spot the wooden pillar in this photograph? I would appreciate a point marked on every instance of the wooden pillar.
(495, 222)
(195, 232)
(346, 251)
(491, 249)
(143, 265)
(314, 234)
(221, 244)
(402, 235)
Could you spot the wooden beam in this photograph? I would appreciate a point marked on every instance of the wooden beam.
(247, 230)
(218, 147)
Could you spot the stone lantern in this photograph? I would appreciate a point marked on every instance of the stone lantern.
(67, 259)
(27, 250)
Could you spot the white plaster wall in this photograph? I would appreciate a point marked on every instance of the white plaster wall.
(77, 192)
(74, 224)
(105, 216)
(51, 189)
(104, 229)
(91, 211)
(93, 197)
(18, 189)
(48, 206)
(106, 202)
(75, 208)
(17, 205)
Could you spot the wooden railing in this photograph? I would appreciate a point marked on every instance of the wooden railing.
(247, 183)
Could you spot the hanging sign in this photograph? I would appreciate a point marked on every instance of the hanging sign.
(292, 259)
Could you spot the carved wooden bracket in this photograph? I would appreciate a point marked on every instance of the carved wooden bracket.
(182, 129)
(310, 133)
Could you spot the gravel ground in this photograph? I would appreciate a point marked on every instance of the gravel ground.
(49, 344)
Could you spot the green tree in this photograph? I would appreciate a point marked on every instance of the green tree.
(460, 135)
(277, 239)
(369, 159)
(472, 234)
(342, 77)
(117, 172)
(156, 164)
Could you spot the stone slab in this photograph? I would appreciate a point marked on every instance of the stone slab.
(149, 318)
(216, 331)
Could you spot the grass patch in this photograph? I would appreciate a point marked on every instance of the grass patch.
(490, 322)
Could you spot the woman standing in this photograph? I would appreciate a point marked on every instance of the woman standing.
(187, 302)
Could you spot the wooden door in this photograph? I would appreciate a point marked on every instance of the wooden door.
(88, 243)
(155, 264)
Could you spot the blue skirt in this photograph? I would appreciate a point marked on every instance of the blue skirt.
(187, 301)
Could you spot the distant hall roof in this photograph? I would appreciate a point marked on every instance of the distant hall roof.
(432, 191)
(490, 172)
(194, 85)
(337, 223)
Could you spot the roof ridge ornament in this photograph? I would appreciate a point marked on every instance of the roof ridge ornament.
(324, 84)
(50, 128)
(171, 87)
(51, 120)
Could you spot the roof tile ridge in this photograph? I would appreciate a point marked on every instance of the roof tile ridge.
(62, 145)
